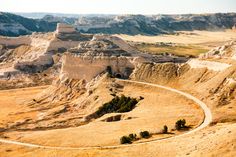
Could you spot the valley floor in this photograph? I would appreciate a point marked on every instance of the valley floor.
(183, 43)
(207, 38)
(152, 113)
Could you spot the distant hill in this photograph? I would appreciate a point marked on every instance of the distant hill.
(156, 24)
(39, 15)
(13, 25)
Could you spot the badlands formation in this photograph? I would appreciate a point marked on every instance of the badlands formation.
(76, 77)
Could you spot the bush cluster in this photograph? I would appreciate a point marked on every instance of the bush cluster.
(144, 134)
(125, 140)
(133, 137)
(180, 124)
(128, 139)
(117, 104)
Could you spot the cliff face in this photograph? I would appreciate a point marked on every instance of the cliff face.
(158, 73)
(39, 52)
(87, 68)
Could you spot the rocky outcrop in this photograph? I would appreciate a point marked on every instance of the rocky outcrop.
(43, 62)
(87, 68)
(11, 41)
(102, 54)
(227, 50)
(211, 65)
(64, 28)
(66, 37)
(161, 73)
(117, 41)
(41, 47)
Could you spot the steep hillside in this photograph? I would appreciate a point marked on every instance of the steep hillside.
(35, 59)
(211, 77)
(14, 25)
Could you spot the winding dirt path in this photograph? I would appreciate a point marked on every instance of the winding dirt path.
(206, 122)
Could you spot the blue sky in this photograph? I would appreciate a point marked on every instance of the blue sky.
(119, 6)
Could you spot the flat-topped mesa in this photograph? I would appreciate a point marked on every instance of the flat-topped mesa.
(101, 54)
(64, 28)
(68, 33)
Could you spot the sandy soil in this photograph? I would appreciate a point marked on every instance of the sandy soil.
(11, 102)
(152, 113)
(212, 141)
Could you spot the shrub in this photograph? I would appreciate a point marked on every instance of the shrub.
(180, 124)
(165, 129)
(144, 134)
(133, 137)
(141, 98)
(117, 104)
(125, 140)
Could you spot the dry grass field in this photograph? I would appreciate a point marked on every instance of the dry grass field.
(208, 38)
(151, 114)
(179, 50)
(185, 43)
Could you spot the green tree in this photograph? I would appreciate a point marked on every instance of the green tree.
(144, 134)
(180, 124)
(165, 129)
(133, 137)
(125, 140)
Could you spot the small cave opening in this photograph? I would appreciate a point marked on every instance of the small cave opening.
(118, 75)
(109, 70)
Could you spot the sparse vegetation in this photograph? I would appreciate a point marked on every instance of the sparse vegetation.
(128, 139)
(125, 140)
(141, 98)
(133, 137)
(165, 129)
(180, 124)
(144, 134)
(179, 50)
(117, 104)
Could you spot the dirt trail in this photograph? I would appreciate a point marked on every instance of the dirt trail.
(206, 122)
